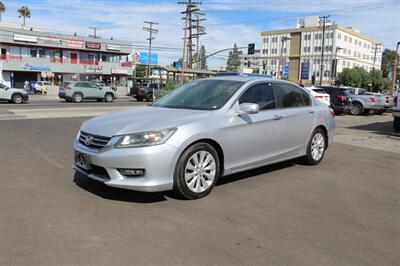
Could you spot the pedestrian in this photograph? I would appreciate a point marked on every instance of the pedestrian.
(26, 85)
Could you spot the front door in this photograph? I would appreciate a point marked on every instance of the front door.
(255, 138)
(298, 117)
(74, 58)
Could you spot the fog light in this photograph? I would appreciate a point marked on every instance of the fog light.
(131, 172)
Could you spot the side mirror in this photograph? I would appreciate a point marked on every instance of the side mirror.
(248, 108)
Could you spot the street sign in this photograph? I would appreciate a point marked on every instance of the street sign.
(144, 58)
(178, 65)
(305, 70)
(251, 48)
(286, 70)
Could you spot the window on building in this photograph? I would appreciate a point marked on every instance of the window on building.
(355, 42)
(339, 36)
(34, 52)
(104, 58)
(345, 38)
(350, 40)
(42, 53)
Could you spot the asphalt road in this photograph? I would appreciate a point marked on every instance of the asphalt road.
(343, 211)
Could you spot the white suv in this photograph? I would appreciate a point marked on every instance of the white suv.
(396, 112)
(13, 95)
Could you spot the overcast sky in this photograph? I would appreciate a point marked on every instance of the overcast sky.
(239, 21)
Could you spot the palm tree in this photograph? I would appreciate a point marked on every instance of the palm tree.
(24, 12)
(2, 9)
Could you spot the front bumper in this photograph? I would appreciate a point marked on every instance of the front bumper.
(26, 98)
(158, 161)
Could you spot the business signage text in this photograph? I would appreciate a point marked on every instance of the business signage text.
(93, 45)
(94, 69)
(113, 47)
(30, 67)
(25, 38)
(119, 71)
(75, 43)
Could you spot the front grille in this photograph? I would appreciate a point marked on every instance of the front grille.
(93, 141)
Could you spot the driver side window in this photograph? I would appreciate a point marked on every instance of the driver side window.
(261, 94)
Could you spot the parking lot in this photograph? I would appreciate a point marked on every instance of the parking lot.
(343, 211)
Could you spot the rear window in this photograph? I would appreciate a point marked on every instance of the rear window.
(345, 92)
(319, 90)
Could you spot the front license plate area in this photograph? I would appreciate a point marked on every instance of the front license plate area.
(82, 160)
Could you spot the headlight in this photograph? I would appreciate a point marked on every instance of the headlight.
(145, 139)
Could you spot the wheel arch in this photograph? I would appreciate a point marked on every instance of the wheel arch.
(325, 130)
(216, 146)
(17, 93)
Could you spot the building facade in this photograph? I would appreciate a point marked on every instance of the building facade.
(32, 54)
(297, 53)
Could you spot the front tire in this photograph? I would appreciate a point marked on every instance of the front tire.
(108, 97)
(316, 148)
(149, 97)
(196, 171)
(17, 98)
(396, 124)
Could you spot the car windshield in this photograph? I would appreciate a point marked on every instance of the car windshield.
(200, 95)
(346, 92)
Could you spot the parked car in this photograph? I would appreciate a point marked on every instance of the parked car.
(201, 131)
(387, 101)
(77, 91)
(340, 99)
(396, 112)
(320, 95)
(364, 102)
(13, 95)
(39, 85)
(146, 92)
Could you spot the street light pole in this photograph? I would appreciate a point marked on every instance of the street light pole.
(394, 71)
(324, 20)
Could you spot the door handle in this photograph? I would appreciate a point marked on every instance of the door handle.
(277, 117)
(311, 112)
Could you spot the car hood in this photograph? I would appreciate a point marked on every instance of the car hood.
(18, 90)
(141, 119)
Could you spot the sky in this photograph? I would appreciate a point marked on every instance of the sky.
(228, 21)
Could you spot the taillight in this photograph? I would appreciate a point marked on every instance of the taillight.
(372, 99)
(319, 97)
(395, 100)
(67, 88)
(332, 112)
(387, 99)
(341, 97)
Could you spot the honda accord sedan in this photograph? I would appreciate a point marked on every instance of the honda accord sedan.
(202, 131)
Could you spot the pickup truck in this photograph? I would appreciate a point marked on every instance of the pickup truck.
(364, 102)
(396, 112)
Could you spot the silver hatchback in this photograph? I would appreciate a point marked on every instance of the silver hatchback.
(204, 130)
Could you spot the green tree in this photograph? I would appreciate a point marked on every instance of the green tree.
(388, 57)
(203, 62)
(140, 71)
(233, 63)
(2, 9)
(24, 12)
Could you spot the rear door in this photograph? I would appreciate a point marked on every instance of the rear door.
(298, 116)
(256, 138)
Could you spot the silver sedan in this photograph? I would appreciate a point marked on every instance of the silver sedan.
(201, 131)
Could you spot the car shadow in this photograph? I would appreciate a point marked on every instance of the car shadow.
(255, 172)
(379, 128)
(111, 193)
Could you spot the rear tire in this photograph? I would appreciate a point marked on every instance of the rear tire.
(77, 97)
(356, 109)
(196, 171)
(17, 98)
(316, 148)
(149, 97)
(396, 124)
(108, 97)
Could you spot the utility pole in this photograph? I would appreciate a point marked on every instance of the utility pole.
(394, 71)
(187, 55)
(323, 20)
(95, 29)
(150, 29)
(200, 30)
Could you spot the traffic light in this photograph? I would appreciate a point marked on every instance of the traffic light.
(251, 48)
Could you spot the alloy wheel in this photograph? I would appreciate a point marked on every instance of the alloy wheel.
(200, 171)
(317, 146)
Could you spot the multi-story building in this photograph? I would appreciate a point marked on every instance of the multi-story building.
(250, 62)
(32, 54)
(297, 53)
